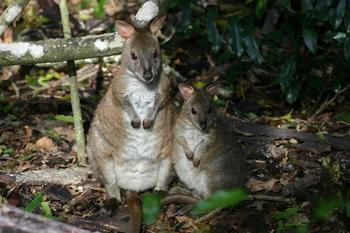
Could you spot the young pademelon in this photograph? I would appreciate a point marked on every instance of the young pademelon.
(206, 155)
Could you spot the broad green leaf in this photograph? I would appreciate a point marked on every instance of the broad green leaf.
(307, 4)
(220, 199)
(46, 209)
(287, 73)
(339, 13)
(260, 8)
(65, 118)
(235, 37)
(252, 48)
(151, 207)
(213, 34)
(293, 92)
(347, 48)
(310, 38)
(186, 16)
(34, 203)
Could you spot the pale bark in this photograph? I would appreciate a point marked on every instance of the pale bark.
(11, 13)
(60, 50)
(14, 220)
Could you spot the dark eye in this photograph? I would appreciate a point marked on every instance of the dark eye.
(210, 110)
(194, 111)
(133, 56)
(155, 54)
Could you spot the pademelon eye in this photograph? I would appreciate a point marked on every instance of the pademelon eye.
(210, 110)
(155, 54)
(194, 111)
(133, 56)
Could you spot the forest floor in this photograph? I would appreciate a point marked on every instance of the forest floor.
(307, 177)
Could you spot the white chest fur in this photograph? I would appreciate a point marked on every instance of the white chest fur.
(193, 177)
(138, 165)
(195, 139)
(141, 98)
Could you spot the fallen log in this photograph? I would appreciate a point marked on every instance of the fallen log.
(14, 220)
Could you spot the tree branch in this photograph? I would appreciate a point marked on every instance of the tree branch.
(60, 50)
(10, 14)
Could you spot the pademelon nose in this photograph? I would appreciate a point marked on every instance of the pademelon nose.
(147, 75)
(203, 125)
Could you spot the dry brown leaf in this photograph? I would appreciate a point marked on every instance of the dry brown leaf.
(68, 133)
(44, 143)
(255, 185)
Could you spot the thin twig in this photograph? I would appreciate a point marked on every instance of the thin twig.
(78, 122)
(270, 198)
(326, 104)
(209, 216)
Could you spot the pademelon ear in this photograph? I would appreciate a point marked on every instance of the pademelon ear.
(156, 24)
(212, 88)
(124, 29)
(186, 90)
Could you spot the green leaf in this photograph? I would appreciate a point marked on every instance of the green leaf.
(344, 117)
(307, 5)
(213, 34)
(34, 203)
(260, 8)
(220, 199)
(310, 38)
(339, 13)
(235, 37)
(293, 92)
(287, 73)
(46, 209)
(186, 16)
(99, 8)
(65, 118)
(252, 48)
(288, 213)
(151, 207)
(347, 48)
(325, 207)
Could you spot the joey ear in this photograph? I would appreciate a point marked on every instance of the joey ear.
(156, 24)
(186, 90)
(212, 88)
(124, 29)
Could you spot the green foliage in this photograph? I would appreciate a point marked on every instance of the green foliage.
(100, 8)
(65, 118)
(151, 207)
(291, 219)
(34, 203)
(220, 199)
(325, 207)
(38, 202)
(301, 40)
